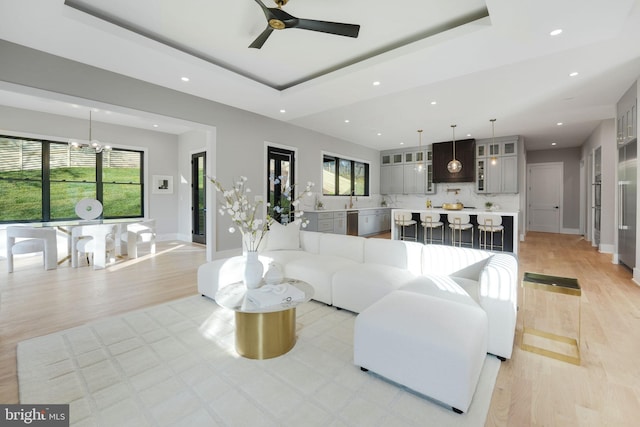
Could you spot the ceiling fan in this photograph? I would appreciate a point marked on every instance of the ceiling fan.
(278, 19)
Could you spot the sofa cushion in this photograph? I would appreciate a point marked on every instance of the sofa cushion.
(310, 241)
(283, 237)
(441, 287)
(395, 253)
(342, 246)
(318, 271)
(443, 260)
(357, 286)
(427, 344)
(284, 257)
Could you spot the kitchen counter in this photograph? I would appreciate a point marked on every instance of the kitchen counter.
(509, 218)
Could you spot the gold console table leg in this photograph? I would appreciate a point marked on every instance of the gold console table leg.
(265, 335)
(560, 285)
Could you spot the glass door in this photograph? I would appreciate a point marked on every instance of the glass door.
(281, 178)
(199, 197)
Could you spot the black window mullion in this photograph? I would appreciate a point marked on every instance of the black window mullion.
(99, 183)
(46, 181)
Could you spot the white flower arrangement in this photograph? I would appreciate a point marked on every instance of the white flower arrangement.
(246, 215)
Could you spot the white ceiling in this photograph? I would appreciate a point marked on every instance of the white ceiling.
(477, 59)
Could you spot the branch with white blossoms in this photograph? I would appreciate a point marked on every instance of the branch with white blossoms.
(286, 190)
(246, 215)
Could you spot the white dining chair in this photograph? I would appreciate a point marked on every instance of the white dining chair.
(459, 222)
(430, 222)
(25, 240)
(490, 223)
(404, 219)
(137, 234)
(98, 240)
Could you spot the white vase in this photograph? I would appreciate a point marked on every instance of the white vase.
(253, 270)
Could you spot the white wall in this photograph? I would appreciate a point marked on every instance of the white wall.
(604, 136)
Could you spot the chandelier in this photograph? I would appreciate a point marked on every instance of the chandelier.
(93, 146)
(454, 166)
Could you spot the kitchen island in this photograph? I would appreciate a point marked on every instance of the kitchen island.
(509, 221)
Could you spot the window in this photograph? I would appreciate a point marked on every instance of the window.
(342, 177)
(43, 180)
(281, 168)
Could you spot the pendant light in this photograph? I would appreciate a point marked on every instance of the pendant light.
(454, 166)
(94, 146)
(494, 159)
(420, 166)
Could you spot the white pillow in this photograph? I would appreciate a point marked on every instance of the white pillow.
(281, 237)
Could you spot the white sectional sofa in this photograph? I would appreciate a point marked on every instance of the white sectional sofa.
(353, 273)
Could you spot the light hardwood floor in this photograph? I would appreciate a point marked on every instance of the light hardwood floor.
(531, 390)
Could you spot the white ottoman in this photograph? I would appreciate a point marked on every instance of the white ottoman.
(433, 346)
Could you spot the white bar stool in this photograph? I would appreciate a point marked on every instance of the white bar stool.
(404, 219)
(428, 223)
(490, 223)
(459, 222)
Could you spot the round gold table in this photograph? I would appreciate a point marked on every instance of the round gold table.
(263, 331)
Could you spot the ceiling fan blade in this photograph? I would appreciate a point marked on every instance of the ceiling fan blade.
(264, 8)
(340, 29)
(258, 42)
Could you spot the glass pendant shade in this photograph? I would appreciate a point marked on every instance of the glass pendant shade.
(454, 166)
(494, 159)
(420, 166)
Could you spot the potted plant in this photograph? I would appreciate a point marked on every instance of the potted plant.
(488, 205)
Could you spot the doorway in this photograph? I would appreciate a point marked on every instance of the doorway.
(199, 198)
(281, 171)
(544, 210)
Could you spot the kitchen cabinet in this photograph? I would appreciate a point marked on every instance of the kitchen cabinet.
(340, 222)
(327, 222)
(392, 179)
(627, 116)
(374, 221)
(497, 170)
(399, 174)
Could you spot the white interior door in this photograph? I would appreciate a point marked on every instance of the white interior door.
(545, 197)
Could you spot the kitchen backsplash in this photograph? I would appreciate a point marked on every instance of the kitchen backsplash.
(446, 193)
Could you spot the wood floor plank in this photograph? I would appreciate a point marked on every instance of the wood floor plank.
(531, 390)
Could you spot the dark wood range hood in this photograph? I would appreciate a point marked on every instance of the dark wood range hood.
(443, 154)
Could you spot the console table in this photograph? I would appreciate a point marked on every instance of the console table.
(560, 285)
(263, 332)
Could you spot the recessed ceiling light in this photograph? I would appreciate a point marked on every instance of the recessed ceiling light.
(376, 83)
(433, 102)
(379, 134)
(575, 73)
(346, 121)
(155, 126)
(556, 32)
(554, 143)
(468, 135)
(283, 111)
(75, 105)
(559, 123)
(184, 79)
(402, 143)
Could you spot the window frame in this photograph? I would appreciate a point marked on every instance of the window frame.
(352, 179)
(46, 181)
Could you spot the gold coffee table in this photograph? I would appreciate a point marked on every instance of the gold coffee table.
(561, 285)
(263, 332)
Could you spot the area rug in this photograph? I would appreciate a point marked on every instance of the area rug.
(175, 365)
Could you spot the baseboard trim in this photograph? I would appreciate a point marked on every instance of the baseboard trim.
(570, 231)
